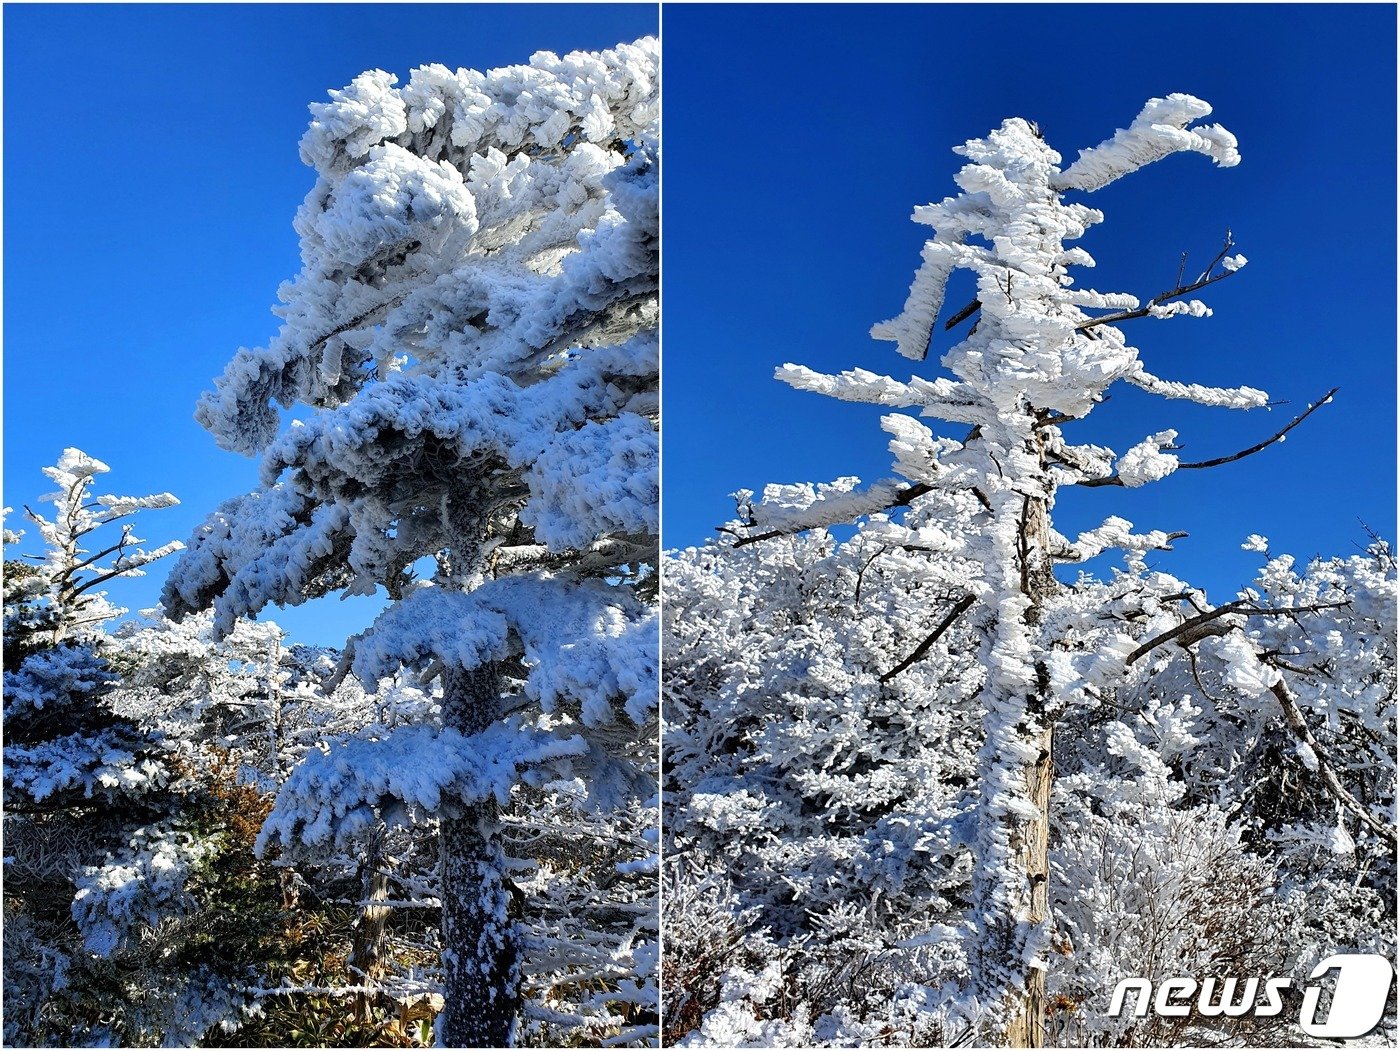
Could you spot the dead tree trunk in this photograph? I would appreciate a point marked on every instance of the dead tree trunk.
(481, 979)
(1026, 1027)
(1012, 882)
(1032, 841)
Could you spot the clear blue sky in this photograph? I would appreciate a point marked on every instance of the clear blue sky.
(150, 180)
(800, 138)
(151, 176)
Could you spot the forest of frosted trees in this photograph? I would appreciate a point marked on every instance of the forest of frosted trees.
(884, 763)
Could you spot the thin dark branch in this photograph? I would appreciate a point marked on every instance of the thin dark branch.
(1195, 670)
(1266, 443)
(770, 535)
(1113, 479)
(118, 546)
(1240, 606)
(89, 585)
(860, 577)
(1180, 290)
(963, 314)
(964, 604)
(903, 498)
(1224, 248)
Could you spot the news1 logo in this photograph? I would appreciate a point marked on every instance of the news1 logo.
(1359, 994)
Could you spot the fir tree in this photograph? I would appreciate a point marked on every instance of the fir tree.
(474, 328)
(98, 854)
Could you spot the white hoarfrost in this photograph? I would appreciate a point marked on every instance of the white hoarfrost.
(73, 570)
(474, 333)
(1046, 723)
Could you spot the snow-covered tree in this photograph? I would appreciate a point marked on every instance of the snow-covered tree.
(473, 335)
(1039, 357)
(98, 852)
(1228, 809)
(814, 786)
(62, 598)
(820, 757)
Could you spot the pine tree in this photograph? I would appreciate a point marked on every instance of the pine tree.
(473, 332)
(97, 851)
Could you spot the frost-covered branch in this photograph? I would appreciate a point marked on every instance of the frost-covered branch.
(1153, 307)
(832, 505)
(1293, 716)
(963, 605)
(1160, 129)
(1119, 479)
(1193, 629)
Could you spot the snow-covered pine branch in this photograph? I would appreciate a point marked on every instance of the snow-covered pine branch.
(69, 568)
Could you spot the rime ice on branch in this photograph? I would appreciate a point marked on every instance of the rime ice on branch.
(70, 570)
(1040, 355)
(98, 847)
(475, 326)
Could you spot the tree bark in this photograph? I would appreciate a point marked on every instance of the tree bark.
(1017, 758)
(481, 978)
(1032, 842)
(369, 929)
(1026, 1027)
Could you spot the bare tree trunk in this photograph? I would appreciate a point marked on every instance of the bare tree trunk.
(1027, 1024)
(1032, 845)
(481, 979)
(369, 929)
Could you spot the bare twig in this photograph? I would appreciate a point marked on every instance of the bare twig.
(1114, 479)
(1180, 290)
(1264, 444)
(964, 604)
(963, 314)
(1293, 716)
(860, 577)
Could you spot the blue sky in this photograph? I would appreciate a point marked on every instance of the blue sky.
(151, 177)
(800, 138)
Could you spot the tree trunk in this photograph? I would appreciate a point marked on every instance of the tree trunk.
(1031, 845)
(480, 967)
(1011, 880)
(369, 929)
(1026, 1027)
